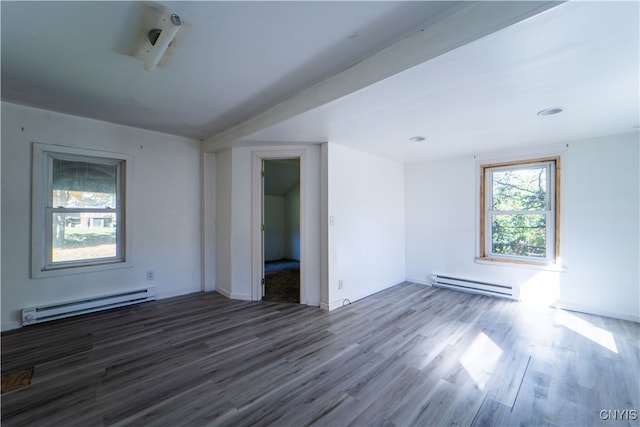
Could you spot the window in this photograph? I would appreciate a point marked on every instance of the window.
(519, 211)
(79, 216)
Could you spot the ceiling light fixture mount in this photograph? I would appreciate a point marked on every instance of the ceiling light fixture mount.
(160, 39)
(158, 28)
(155, 33)
(417, 138)
(549, 111)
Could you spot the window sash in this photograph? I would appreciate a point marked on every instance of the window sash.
(549, 213)
(119, 163)
(49, 263)
(548, 219)
(50, 210)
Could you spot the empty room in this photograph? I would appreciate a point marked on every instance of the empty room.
(329, 213)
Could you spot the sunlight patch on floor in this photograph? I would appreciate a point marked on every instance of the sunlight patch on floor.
(480, 359)
(587, 329)
(542, 290)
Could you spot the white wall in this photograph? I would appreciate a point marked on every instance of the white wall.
(241, 209)
(223, 222)
(366, 224)
(165, 208)
(292, 223)
(236, 257)
(599, 223)
(208, 197)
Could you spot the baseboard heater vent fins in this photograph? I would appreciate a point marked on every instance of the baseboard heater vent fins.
(45, 313)
(473, 286)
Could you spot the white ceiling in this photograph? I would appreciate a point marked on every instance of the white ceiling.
(228, 62)
(580, 56)
(232, 62)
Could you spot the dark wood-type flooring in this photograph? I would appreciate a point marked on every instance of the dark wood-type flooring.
(282, 281)
(410, 355)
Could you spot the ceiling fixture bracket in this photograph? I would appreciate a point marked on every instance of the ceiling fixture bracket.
(158, 29)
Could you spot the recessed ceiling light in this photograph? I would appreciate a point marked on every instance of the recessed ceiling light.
(549, 111)
(417, 138)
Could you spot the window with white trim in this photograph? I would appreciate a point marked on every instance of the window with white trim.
(79, 205)
(519, 211)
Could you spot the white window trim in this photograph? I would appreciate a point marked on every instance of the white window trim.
(560, 151)
(41, 186)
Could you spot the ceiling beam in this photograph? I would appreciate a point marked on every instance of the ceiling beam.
(458, 25)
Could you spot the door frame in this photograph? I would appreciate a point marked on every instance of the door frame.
(256, 218)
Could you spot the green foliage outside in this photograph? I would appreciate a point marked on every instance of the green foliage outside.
(84, 236)
(518, 226)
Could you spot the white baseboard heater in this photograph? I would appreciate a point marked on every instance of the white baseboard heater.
(474, 286)
(45, 313)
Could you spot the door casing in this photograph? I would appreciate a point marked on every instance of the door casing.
(257, 261)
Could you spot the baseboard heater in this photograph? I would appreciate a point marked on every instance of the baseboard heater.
(473, 286)
(45, 313)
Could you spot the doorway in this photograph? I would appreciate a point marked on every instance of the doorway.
(281, 230)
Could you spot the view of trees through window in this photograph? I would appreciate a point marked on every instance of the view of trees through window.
(519, 210)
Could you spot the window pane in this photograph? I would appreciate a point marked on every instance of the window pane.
(523, 235)
(520, 189)
(81, 236)
(84, 184)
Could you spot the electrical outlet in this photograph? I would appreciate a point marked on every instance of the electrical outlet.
(150, 275)
(340, 284)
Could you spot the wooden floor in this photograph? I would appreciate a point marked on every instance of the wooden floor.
(410, 355)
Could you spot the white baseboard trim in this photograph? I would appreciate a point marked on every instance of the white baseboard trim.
(227, 294)
(242, 297)
(419, 281)
(313, 302)
(7, 326)
(178, 292)
(590, 310)
(339, 302)
(325, 306)
(342, 302)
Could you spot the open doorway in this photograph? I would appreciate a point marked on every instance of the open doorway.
(281, 230)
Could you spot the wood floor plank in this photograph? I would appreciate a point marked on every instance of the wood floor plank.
(408, 355)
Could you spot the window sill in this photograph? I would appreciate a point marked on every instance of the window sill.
(546, 266)
(55, 272)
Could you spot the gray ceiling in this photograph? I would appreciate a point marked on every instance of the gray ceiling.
(469, 76)
(583, 57)
(228, 62)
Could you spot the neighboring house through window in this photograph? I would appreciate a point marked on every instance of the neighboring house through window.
(519, 219)
(79, 209)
